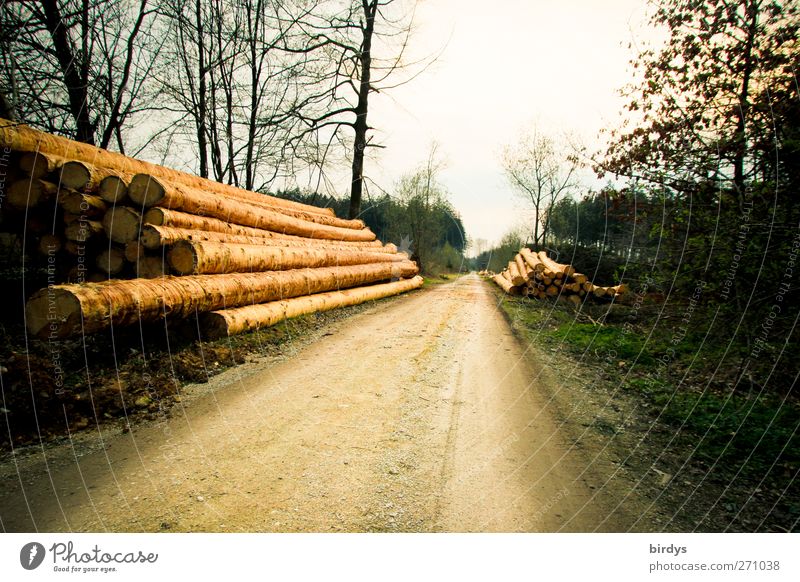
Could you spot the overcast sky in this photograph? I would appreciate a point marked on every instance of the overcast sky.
(505, 65)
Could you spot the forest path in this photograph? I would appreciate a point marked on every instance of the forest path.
(423, 413)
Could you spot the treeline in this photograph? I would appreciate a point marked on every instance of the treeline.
(430, 231)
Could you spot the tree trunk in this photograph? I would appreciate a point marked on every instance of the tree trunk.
(153, 237)
(61, 311)
(149, 191)
(557, 268)
(505, 284)
(82, 204)
(241, 319)
(360, 126)
(203, 257)
(142, 191)
(72, 68)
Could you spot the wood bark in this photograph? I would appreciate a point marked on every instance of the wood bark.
(522, 267)
(532, 259)
(25, 139)
(148, 191)
(557, 268)
(505, 284)
(82, 204)
(61, 311)
(150, 267)
(241, 319)
(205, 257)
(517, 278)
(194, 201)
(153, 237)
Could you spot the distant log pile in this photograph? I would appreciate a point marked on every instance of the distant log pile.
(112, 230)
(537, 276)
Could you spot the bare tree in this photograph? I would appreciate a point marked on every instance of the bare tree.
(340, 42)
(237, 88)
(79, 67)
(539, 171)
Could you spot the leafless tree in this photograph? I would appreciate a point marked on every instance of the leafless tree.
(79, 67)
(341, 42)
(540, 171)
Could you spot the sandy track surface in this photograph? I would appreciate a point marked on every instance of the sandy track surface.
(420, 414)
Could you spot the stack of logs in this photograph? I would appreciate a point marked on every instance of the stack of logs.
(538, 276)
(114, 229)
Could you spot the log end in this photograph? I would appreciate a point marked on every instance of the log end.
(182, 257)
(113, 189)
(122, 224)
(53, 313)
(154, 216)
(75, 175)
(145, 190)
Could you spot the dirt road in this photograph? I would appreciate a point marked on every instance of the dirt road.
(419, 414)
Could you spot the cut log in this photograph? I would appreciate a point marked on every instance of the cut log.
(551, 291)
(145, 191)
(174, 218)
(557, 268)
(232, 321)
(153, 237)
(134, 251)
(531, 259)
(621, 289)
(61, 311)
(37, 164)
(29, 192)
(75, 175)
(579, 278)
(574, 299)
(83, 230)
(122, 224)
(516, 277)
(82, 204)
(22, 138)
(50, 244)
(523, 268)
(111, 260)
(505, 284)
(205, 257)
(113, 189)
(150, 267)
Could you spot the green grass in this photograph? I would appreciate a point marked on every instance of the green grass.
(676, 375)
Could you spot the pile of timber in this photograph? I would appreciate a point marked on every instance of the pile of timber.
(537, 276)
(126, 241)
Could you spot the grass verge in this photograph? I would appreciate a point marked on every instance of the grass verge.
(725, 448)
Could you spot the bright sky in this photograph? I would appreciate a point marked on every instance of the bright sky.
(507, 64)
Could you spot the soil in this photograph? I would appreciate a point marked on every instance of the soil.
(419, 414)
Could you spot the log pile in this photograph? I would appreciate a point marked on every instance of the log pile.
(537, 276)
(125, 241)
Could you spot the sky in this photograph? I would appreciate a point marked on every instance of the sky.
(503, 67)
